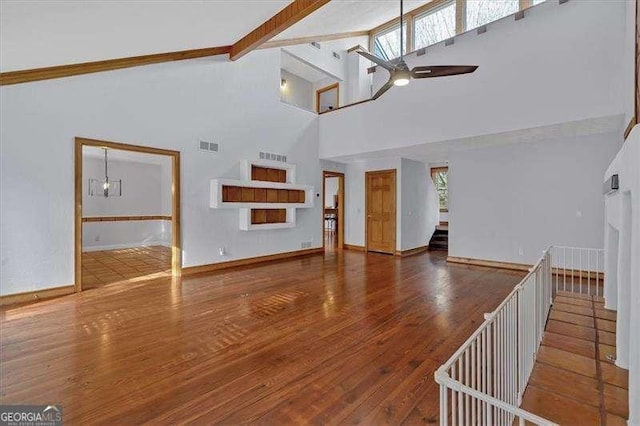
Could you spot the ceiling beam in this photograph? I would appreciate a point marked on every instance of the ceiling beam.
(25, 76)
(282, 20)
(309, 39)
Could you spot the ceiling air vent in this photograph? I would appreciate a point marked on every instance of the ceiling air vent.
(208, 146)
(335, 55)
(315, 44)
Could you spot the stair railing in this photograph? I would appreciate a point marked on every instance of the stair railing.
(484, 380)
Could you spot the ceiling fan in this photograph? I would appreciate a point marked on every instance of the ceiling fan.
(400, 72)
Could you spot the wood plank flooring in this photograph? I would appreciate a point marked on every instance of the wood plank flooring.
(112, 266)
(344, 337)
(575, 380)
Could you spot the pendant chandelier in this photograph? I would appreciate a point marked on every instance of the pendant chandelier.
(105, 187)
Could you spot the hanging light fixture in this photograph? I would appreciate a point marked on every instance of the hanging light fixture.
(105, 187)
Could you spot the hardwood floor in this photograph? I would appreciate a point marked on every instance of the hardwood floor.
(345, 337)
(111, 266)
(575, 380)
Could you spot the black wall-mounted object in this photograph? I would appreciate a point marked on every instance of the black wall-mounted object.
(611, 184)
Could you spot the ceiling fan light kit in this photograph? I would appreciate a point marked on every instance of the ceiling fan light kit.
(401, 75)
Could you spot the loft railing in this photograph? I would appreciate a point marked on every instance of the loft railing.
(484, 380)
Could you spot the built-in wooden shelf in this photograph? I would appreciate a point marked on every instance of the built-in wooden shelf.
(244, 194)
(261, 216)
(268, 174)
(266, 195)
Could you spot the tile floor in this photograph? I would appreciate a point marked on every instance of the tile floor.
(110, 266)
(575, 380)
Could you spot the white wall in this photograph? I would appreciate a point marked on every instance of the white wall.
(330, 190)
(561, 63)
(419, 205)
(508, 203)
(146, 191)
(358, 83)
(173, 105)
(323, 58)
(142, 188)
(622, 292)
(125, 234)
(298, 91)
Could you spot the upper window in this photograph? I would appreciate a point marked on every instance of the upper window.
(440, 177)
(386, 45)
(435, 26)
(481, 12)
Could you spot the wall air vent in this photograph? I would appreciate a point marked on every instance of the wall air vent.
(273, 157)
(482, 29)
(208, 146)
(335, 55)
(519, 15)
(315, 44)
(449, 41)
(421, 52)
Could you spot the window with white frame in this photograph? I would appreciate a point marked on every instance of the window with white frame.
(481, 12)
(435, 25)
(386, 45)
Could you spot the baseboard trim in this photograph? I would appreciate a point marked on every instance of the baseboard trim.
(190, 270)
(411, 252)
(353, 247)
(36, 295)
(489, 263)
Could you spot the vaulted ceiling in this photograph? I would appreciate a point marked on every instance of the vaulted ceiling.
(42, 33)
(342, 16)
(39, 33)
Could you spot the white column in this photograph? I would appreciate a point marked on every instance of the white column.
(610, 261)
(624, 284)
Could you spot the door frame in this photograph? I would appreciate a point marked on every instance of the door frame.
(321, 90)
(176, 246)
(340, 176)
(395, 207)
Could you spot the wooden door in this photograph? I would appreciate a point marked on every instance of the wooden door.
(381, 211)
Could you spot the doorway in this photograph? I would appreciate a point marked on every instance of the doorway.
(107, 246)
(333, 210)
(380, 200)
(328, 98)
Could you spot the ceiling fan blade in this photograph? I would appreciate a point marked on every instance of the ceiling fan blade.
(384, 64)
(383, 89)
(430, 71)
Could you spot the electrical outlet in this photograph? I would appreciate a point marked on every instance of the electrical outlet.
(520, 251)
(97, 239)
(222, 251)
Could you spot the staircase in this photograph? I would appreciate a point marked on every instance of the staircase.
(440, 239)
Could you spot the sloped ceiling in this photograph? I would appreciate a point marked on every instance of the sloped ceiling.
(40, 33)
(341, 16)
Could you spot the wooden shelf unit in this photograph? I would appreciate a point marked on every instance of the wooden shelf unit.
(266, 195)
